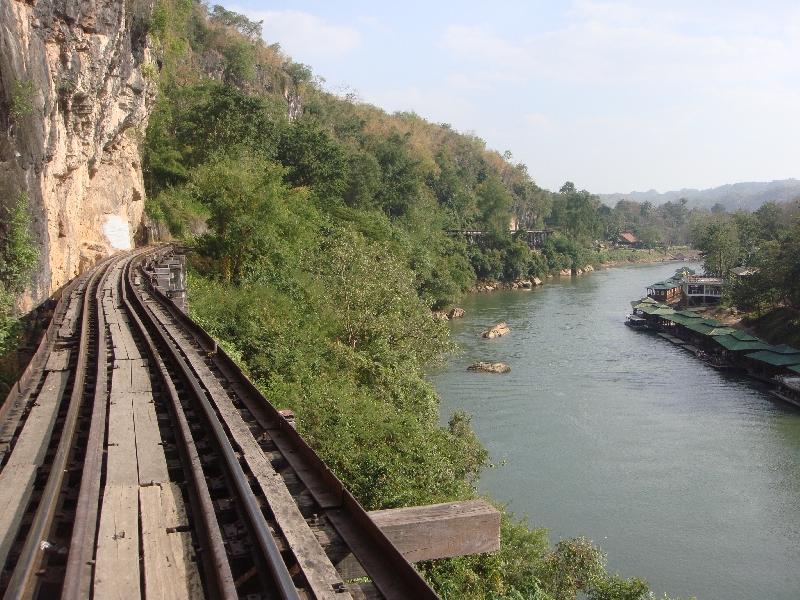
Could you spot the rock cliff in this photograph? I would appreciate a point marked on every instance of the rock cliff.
(76, 88)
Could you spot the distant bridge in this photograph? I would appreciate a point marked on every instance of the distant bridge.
(535, 238)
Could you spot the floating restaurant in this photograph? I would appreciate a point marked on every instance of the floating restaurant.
(723, 347)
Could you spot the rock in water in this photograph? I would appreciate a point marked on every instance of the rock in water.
(498, 330)
(487, 367)
(457, 313)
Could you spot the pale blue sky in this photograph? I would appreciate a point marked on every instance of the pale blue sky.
(615, 96)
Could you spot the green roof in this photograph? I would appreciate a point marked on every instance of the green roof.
(714, 323)
(689, 314)
(667, 284)
(744, 336)
(700, 327)
(649, 309)
(778, 359)
(721, 331)
(682, 319)
(732, 343)
(647, 300)
(785, 350)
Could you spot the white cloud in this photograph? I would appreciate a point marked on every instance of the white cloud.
(305, 35)
(540, 124)
(375, 24)
(625, 42)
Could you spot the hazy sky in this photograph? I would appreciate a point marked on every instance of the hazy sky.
(615, 96)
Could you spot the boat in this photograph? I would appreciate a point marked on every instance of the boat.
(636, 322)
(719, 363)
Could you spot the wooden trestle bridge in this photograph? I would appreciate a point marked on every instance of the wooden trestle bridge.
(137, 461)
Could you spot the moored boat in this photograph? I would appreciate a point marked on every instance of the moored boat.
(636, 322)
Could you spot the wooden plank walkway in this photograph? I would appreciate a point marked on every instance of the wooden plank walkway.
(138, 489)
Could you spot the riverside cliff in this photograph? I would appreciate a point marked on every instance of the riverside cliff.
(76, 89)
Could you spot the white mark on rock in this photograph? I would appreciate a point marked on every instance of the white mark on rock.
(118, 232)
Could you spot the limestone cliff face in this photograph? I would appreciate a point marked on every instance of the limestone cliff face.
(76, 153)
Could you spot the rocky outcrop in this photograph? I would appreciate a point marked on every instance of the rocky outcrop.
(84, 69)
(520, 284)
(487, 367)
(457, 313)
(498, 330)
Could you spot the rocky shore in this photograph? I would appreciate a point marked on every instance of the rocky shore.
(643, 257)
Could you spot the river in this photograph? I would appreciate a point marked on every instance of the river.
(685, 476)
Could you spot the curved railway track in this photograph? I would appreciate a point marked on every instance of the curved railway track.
(137, 461)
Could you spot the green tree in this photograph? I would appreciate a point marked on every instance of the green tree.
(247, 203)
(19, 257)
(220, 118)
(494, 202)
(616, 588)
(650, 236)
(719, 244)
(399, 182)
(313, 159)
(574, 565)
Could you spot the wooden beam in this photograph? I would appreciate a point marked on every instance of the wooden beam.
(435, 531)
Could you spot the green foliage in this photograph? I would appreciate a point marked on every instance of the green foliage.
(649, 236)
(250, 29)
(573, 565)
(399, 180)
(19, 257)
(511, 573)
(22, 100)
(240, 66)
(494, 203)
(616, 588)
(719, 243)
(314, 160)
(249, 214)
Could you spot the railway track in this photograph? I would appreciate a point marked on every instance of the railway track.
(137, 461)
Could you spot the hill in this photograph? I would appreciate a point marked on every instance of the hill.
(746, 195)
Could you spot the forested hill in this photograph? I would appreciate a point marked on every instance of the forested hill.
(747, 196)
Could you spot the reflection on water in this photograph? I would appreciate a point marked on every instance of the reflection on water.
(686, 476)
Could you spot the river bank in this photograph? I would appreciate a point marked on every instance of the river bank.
(635, 256)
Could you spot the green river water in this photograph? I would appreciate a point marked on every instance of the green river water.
(687, 477)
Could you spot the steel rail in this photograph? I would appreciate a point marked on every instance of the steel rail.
(216, 560)
(261, 531)
(392, 574)
(80, 565)
(19, 586)
(32, 374)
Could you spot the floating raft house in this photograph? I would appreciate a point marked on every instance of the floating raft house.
(734, 347)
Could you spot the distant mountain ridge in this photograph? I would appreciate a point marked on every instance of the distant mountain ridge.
(747, 195)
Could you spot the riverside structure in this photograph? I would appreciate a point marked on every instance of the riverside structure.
(722, 346)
